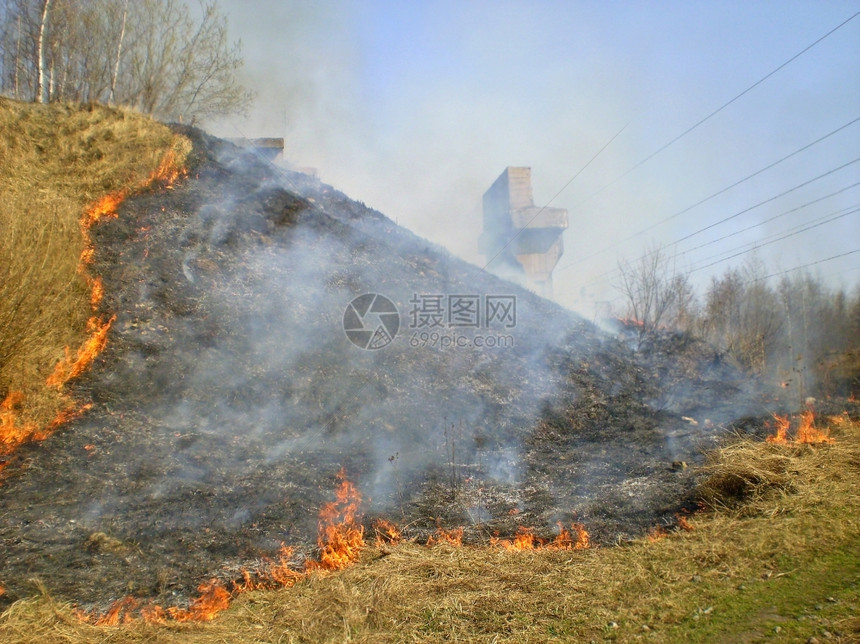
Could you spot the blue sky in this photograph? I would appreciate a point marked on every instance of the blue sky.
(416, 107)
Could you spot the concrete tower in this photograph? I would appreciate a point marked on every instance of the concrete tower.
(522, 242)
(268, 148)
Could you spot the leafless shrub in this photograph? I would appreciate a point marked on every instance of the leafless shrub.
(152, 55)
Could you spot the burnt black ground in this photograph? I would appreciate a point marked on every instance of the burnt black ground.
(229, 397)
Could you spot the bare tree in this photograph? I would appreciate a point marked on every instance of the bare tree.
(118, 53)
(742, 315)
(19, 34)
(41, 94)
(654, 292)
(178, 69)
(149, 54)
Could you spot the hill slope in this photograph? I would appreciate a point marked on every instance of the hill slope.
(229, 396)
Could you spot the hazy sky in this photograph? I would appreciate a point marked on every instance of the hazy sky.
(416, 107)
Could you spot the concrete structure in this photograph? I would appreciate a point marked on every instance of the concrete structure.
(522, 242)
(268, 148)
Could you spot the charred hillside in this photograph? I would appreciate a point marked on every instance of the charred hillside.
(229, 396)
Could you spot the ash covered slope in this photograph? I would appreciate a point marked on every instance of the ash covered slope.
(229, 397)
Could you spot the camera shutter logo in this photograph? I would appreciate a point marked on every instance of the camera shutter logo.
(371, 321)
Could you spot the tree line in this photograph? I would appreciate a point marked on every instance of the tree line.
(153, 55)
(797, 331)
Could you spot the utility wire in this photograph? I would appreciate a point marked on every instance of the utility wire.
(721, 108)
(612, 271)
(708, 198)
(772, 241)
(844, 270)
(797, 268)
(761, 203)
(770, 219)
(831, 216)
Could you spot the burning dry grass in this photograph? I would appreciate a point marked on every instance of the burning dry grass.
(778, 561)
(58, 164)
(748, 478)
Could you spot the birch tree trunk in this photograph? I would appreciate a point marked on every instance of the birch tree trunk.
(118, 55)
(18, 57)
(40, 46)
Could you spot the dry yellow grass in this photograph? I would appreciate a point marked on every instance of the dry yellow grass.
(55, 161)
(781, 564)
(779, 540)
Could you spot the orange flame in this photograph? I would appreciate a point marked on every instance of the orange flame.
(806, 432)
(566, 541)
(340, 540)
(386, 533)
(684, 523)
(275, 574)
(341, 537)
(12, 432)
(782, 425)
(154, 614)
(526, 539)
(97, 291)
(451, 537)
(70, 367)
(657, 533)
(168, 171)
(105, 208)
(631, 321)
(212, 600)
(120, 612)
(841, 419)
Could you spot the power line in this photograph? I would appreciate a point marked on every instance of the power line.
(719, 109)
(747, 178)
(708, 198)
(770, 219)
(761, 203)
(797, 268)
(838, 213)
(844, 270)
(772, 241)
(612, 271)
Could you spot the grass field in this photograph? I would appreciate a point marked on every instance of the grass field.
(774, 557)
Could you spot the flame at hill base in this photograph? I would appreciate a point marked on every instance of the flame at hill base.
(73, 366)
(340, 541)
(13, 431)
(386, 533)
